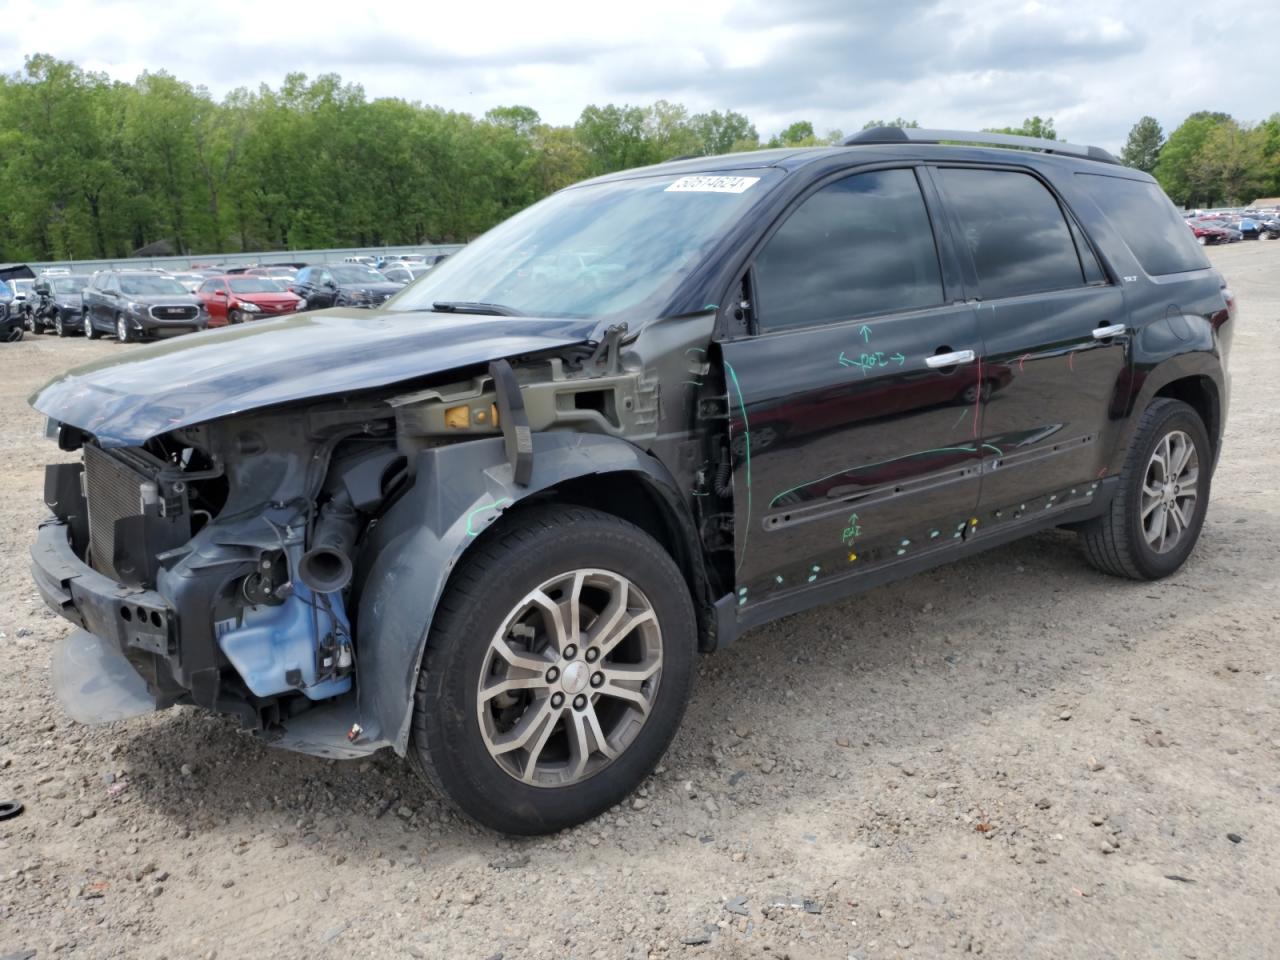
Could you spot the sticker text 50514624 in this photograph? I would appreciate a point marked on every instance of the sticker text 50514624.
(706, 184)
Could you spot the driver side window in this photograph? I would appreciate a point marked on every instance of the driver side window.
(858, 247)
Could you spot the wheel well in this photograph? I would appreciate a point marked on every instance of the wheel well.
(635, 499)
(1201, 394)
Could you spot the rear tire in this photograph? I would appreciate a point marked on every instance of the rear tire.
(588, 733)
(1154, 521)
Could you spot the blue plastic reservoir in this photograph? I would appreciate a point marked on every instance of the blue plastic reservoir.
(274, 640)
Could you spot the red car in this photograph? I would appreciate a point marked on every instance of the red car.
(235, 298)
(1206, 233)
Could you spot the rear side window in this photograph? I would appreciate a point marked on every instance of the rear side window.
(1147, 221)
(1014, 230)
(857, 247)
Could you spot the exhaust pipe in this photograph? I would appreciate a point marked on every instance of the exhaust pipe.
(326, 567)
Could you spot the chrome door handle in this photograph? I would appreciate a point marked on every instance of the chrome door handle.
(949, 359)
(1105, 333)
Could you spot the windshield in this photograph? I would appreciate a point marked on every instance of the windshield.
(353, 273)
(22, 287)
(594, 251)
(68, 284)
(252, 285)
(150, 286)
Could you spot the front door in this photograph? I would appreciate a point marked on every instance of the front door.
(1056, 337)
(855, 408)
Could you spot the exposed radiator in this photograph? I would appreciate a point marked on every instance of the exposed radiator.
(111, 488)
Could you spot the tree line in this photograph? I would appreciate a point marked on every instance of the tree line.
(1211, 159)
(92, 167)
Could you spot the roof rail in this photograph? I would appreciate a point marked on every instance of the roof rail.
(916, 135)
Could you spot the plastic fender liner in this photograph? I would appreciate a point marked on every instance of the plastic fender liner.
(460, 490)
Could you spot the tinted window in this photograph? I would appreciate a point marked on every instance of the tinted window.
(859, 246)
(1014, 230)
(1147, 221)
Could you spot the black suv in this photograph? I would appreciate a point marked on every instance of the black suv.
(491, 527)
(343, 285)
(58, 302)
(139, 305)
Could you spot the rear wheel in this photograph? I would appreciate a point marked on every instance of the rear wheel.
(557, 670)
(1154, 521)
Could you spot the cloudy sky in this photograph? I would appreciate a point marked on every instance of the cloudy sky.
(1094, 67)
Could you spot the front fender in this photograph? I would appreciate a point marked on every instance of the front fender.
(403, 567)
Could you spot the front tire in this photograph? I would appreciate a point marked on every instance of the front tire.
(90, 331)
(122, 329)
(59, 327)
(557, 670)
(235, 316)
(1154, 521)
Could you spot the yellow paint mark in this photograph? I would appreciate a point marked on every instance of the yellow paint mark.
(973, 522)
(852, 557)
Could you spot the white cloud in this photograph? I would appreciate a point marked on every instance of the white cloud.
(1094, 66)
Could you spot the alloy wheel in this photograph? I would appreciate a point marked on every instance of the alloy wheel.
(122, 330)
(1169, 490)
(569, 678)
(88, 327)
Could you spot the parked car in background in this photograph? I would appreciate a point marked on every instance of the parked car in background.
(58, 304)
(1232, 234)
(236, 298)
(1270, 227)
(1206, 234)
(361, 258)
(1248, 228)
(191, 280)
(280, 272)
(343, 284)
(10, 321)
(403, 272)
(139, 305)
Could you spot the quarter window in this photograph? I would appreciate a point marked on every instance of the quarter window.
(1014, 231)
(858, 247)
(1148, 222)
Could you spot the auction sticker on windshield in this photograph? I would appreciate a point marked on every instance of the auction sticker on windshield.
(704, 184)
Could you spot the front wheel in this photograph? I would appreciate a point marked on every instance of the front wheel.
(122, 329)
(90, 331)
(235, 316)
(557, 670)
(1154, 521)
(58, 327)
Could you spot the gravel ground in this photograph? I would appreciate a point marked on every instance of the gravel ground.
(1013, 757)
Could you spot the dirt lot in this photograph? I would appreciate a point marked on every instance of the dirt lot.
(1016, 757)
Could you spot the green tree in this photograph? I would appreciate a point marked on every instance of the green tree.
(1142, 149)
(724, 132)
(1231, 164)
(1031, 127)
(895, 122)
(1176, 170)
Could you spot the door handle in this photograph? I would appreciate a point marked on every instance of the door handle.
(949, 359)
(1105, 333)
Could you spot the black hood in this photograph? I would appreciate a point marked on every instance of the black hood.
(193, 379)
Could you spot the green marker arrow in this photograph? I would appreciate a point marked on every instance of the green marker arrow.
(866, 333)
(899, 357)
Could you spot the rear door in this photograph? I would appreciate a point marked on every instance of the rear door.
(852, 408)
(1056, 334)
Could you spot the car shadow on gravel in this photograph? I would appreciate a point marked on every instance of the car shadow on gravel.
(922, 657)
